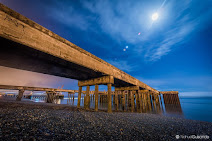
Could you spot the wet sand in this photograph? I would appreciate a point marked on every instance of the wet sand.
(41, 121)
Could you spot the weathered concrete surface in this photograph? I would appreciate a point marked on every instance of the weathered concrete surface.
(97, 81)
(39, 49)
(127, 88)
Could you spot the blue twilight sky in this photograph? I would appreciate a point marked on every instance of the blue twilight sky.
(172, 53)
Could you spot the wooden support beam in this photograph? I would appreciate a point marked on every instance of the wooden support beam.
(97, 81)
(169, 92)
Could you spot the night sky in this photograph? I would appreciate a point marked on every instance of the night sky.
(170, 53)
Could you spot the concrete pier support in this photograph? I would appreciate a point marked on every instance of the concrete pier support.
(96, 97)
(20, 95)
(87, 98)
(79, 96)
(105, 80)
(109, 98)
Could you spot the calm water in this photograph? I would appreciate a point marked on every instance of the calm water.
(195, 108)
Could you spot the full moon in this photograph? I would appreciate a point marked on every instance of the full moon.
(154, 16)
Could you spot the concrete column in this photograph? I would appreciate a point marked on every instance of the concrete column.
(123, 100)
(79, 96)
(116, 100)
(96, 97)
(87, 98)
(20, 95)
(109, 98)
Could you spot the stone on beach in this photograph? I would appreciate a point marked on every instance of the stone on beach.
(42, 121)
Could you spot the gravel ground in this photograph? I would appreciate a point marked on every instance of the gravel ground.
(42, 121)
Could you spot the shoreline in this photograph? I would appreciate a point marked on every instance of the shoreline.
(44, 121)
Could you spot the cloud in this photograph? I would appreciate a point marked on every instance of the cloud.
(68, 15)
(185, 24)
(180, 83)
(196, 94)
(122, 65)
(123, 20)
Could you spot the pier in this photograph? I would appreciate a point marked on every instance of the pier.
(29, 46)
(129, 99)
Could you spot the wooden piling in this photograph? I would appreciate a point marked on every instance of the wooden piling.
(96, 97)
(20, 95)
(87, 98)
(79, 96)
(123, 100)
(109, 98)
(116, 100)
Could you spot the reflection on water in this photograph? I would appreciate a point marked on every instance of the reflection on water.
(196, 108)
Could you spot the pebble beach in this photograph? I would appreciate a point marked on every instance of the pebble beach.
(41, 121)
